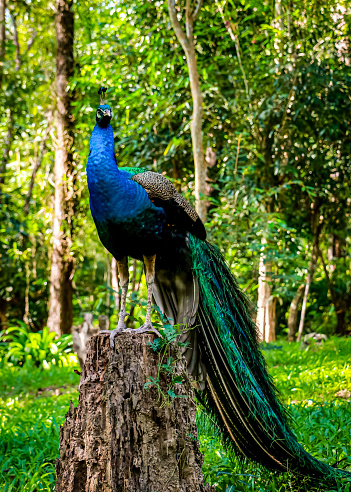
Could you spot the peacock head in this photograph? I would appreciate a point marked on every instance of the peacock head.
(103, 115)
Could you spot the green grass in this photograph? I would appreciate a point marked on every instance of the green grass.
(34, 402)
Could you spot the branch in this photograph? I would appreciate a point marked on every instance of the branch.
(176, 25)
(197, 10)
(189, 21)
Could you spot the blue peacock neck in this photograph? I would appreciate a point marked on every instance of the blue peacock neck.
(105, 181)
(113, 195)
(102, 145)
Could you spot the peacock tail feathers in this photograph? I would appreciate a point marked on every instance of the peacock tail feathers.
(240, 389)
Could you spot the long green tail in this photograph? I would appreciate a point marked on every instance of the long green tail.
(239, 386)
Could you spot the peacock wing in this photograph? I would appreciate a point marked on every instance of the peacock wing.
(179, 211)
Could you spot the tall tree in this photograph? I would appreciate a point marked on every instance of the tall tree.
(187, 41)
(61, 309)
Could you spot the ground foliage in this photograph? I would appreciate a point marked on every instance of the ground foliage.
(278, 118)
(34, 402)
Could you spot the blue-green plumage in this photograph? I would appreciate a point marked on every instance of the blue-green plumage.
(128, 223)
(193, 284)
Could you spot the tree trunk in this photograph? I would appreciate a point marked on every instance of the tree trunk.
(61, 310)
(266, 304)
(187, 42)
(196, 134)
(312, 268)
(294, 313)
(2, 38)
(121, 438)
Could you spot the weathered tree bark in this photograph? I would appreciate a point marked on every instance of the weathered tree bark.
(294, 313)
(61, 290)
(121, 438)
(2, 38)
(186, 40)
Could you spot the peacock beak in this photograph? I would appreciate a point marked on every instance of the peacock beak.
(107, 112)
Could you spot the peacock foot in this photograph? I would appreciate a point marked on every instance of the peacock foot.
(145, 328)
(120, 328)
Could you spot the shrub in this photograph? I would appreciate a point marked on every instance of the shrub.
(20, 346)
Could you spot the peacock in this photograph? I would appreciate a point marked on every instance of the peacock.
(139, 214)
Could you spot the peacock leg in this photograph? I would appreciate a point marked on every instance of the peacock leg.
(149, 262)
(123, 274)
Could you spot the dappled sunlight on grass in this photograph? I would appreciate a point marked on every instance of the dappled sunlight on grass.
(24, 380)
(314, 373)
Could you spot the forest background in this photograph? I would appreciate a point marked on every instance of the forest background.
(272, 180)
(275, 80)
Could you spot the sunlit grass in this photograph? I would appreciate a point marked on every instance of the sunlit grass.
(33, 404)
(315, 373)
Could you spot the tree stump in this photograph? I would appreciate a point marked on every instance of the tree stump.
(121, 437)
